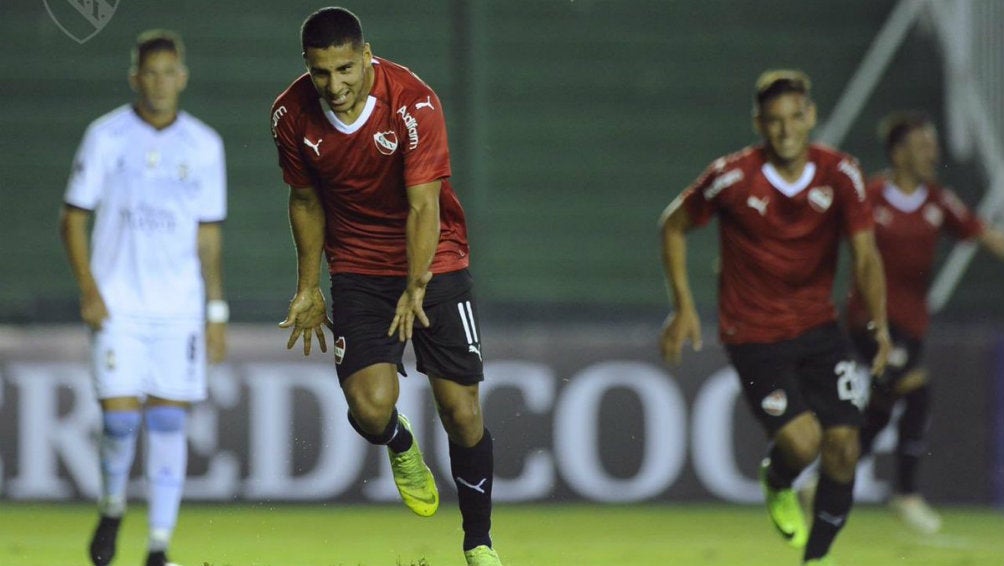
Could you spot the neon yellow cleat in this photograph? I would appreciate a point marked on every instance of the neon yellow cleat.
(784, 510)
(824, 561)
(482, 556)
(413, 478)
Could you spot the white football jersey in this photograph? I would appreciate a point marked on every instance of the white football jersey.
(149, 190)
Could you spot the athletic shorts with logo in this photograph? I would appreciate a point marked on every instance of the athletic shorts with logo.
(812, 372)
(905, 356)
(363, 307)
(140, 358)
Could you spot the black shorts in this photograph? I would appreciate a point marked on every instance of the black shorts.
(904, 358)
(814, 371)
(363, 306)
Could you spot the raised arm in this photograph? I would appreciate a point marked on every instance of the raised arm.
(422, 233)
(869, 276)
(307, 311)
(682, 324)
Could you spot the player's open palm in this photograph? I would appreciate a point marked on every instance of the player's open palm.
(680, 327)
(307, 315)
(409, 308)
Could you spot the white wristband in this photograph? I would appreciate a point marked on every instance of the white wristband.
(217, 311)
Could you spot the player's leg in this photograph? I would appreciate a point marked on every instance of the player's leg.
(911, 447)
(833, 389)
(177, 378)
(166, 466)
(767, 376)
(834, 489)
(117, 376)
(449, 352)
(368, 361)
(884, 394)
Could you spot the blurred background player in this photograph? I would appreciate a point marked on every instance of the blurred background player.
(155, 179)
(911, 211)
(362, 146)
(782, 208)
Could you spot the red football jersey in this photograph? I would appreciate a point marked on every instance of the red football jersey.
(906, 231)
(779, 241)
(362, 170)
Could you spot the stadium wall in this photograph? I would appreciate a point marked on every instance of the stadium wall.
(578, 413)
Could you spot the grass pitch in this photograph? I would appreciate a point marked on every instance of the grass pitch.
(525, 535)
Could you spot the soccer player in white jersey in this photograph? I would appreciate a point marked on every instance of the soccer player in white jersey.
(151, 290)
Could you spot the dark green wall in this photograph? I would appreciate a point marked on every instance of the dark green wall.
(572, 125)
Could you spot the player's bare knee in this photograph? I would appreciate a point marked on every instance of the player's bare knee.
(463, 422)
(840, 453)
(800, 440)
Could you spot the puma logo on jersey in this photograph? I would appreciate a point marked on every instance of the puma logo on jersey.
(426, 104)
(314, 146)
(758, 204)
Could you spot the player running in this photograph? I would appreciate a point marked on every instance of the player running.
(782, 209)
(362, 146)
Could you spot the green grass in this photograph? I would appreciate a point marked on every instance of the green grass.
(525, 535)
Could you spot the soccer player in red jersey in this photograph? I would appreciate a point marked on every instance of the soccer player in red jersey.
(782, 208)
(911, 211)
(362, 146)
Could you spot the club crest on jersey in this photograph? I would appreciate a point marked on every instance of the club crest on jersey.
(883, 216)
(820, 198)
(775, 403)
(386, 142)
(339, 349)
(933, 215)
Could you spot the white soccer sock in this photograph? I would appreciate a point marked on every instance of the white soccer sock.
(117, 450)
(166, 464)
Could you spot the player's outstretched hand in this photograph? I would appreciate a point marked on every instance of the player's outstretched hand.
(680, 327)
(307, 315)
(409, 308)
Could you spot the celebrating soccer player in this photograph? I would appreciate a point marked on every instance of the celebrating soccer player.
(911, 211)
(155, 178)
(782, 208)
(362, 146)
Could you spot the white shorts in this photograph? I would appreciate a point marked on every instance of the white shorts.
(160, 359)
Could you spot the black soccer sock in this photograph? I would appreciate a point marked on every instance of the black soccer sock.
(780, 474)
(472, 470)
(876, 417)
(831, 509)
(913, 425)
(394, 436)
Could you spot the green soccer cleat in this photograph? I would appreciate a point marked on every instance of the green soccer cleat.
(413, 478)
(784, 510)
(823, 561)
(482, 556)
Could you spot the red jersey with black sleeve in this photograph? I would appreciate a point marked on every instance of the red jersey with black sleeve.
(361, 171)
(779, 241)
(907, 228)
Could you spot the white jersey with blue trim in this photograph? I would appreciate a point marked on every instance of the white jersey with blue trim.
(149, 190)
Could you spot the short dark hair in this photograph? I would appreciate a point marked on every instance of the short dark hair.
(154, 40)
(331, 26)
(894, 128)
(775, 82)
